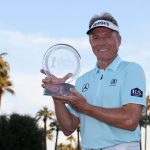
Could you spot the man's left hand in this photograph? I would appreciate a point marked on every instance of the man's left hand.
(75, 99)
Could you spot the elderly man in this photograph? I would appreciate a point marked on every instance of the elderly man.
(107, 101)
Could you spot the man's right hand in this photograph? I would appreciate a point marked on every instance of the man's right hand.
(53, 83)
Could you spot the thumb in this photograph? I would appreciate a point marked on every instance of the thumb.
(77, 95)
(74, 92)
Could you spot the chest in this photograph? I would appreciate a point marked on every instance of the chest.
(103, 89)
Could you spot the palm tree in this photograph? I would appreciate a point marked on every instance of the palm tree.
(69, 147)
(147, 114)
(78, 138)
(49, 134)
(45, 114)
(5, 83)
(55, 126)
(72, 140)
(145, 119)
(61, 146)
(148, 104)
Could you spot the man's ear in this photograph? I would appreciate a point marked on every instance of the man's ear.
(90, 39)
(119, 40)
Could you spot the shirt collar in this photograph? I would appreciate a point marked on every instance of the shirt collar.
(113, 66)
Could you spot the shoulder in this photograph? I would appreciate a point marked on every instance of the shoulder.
(88, 74)
(134, 67)
(131, 66)
(133, 71)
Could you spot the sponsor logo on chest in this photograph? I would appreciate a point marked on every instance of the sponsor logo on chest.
(85, 87)
(113, 82)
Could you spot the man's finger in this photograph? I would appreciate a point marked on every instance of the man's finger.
(42, 71)
(47, 73)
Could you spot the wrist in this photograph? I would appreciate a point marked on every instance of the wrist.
(58, 101)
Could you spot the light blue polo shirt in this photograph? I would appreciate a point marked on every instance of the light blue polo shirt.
(119, 84)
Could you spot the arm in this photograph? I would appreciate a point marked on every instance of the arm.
(125, 117)
(67, 121)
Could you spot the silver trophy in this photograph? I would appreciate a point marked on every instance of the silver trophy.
(59, 60)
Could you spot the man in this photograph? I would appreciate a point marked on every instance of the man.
(108, 100)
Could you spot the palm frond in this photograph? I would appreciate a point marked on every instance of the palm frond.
(11, 91)
(2, 54)
(5, 83)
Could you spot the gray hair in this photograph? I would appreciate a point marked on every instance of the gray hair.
(103, 16)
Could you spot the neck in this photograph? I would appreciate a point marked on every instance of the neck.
(103, 64)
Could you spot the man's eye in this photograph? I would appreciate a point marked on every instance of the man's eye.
(95, 37)
(108, 37)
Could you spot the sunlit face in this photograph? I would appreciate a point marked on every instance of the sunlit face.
(105, 43)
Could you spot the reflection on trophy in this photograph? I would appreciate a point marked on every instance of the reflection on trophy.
(59, 60)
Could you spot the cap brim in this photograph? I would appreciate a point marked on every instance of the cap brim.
(88, 32)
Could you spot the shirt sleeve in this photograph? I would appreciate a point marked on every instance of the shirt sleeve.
(134, 85)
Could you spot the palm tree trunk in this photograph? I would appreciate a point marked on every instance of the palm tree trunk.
(78, 135)
(1, 92)
(57, 131)
(146, 137)
(146, 133)
(141, 138)
(45, 130)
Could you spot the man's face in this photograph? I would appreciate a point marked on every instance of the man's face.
(105, 43)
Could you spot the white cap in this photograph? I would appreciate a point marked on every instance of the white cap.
(103, 23)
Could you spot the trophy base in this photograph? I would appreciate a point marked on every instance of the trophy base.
(64, 90)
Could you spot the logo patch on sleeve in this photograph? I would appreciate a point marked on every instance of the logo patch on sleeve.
(136, 92)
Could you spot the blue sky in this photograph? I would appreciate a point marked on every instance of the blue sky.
(29, 27)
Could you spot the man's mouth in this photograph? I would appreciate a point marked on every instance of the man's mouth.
(102, 49)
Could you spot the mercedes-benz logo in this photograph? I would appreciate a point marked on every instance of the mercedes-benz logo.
(85, 87)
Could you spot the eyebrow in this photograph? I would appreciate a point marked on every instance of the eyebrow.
(96, 34)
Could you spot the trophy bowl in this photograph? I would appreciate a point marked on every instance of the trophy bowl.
(59, 60)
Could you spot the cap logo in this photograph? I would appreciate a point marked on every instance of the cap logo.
(103, 23)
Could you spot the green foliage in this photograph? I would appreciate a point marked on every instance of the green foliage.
(5, 83)
(20, 133)
(145, 120)
(4, 132)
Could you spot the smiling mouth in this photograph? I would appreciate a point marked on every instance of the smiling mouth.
(102, 50)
